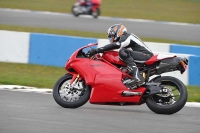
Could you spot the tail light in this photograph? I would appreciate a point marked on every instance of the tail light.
(184, 67)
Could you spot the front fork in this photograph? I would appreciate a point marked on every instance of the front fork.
(74, 78)
(74, 81)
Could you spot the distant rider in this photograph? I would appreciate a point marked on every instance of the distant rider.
(89, 4)
(86, 3)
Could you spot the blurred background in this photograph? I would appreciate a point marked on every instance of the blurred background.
(38, 36)
(160, 10)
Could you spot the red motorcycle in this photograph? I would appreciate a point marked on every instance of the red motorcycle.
(93, 8)
(102, 78)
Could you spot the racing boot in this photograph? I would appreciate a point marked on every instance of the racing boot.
(137, 79)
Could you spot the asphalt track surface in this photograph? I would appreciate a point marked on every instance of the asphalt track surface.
(142, 28)
(28, 112)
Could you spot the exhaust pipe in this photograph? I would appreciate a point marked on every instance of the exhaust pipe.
(130, 93)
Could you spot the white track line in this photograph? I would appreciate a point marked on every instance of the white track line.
(25, 89)
(49, 91)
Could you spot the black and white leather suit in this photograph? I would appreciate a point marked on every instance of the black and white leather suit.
(131, 49)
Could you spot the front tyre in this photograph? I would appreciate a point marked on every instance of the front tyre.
(170, 102)
(70, 97)
(75, 11)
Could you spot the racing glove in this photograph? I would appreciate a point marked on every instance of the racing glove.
(92, 52)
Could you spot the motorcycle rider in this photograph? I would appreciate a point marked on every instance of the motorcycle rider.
(86, 3)
(131, 50)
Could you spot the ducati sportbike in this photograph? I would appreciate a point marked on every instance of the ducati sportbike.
(101, 79)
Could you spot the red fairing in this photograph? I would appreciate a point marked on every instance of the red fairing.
(109, 87)
(104, 79)
(158, 57)
(81, 66)
(152, 60)
(98, 2)
(113, 57)
(108, 90)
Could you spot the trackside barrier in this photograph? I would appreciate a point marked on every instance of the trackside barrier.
(194, 70)
(54, 50)
(185, 49)
(14, 46)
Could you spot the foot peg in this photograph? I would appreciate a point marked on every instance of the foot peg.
(135, 85)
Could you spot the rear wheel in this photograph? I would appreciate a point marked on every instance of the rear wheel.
(171, 100)
(96, 13)
(70, 97)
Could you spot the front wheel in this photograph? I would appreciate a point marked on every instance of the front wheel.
(75, 11)
(172, 100)
(70, 97)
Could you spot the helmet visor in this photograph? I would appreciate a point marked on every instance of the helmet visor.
(111, 39)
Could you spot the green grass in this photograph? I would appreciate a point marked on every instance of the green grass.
(193, 93)
(85, 34)
(161, 10)
(29, 74)
(45, 77)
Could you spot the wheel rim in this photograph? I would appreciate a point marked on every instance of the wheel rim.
(169, 96)
(72, 94)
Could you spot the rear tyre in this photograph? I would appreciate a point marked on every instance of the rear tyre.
(96, 13)
(170, 102)
(69, 97)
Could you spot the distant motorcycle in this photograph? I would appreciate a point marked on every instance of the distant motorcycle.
(79, 8)
(102, 79)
